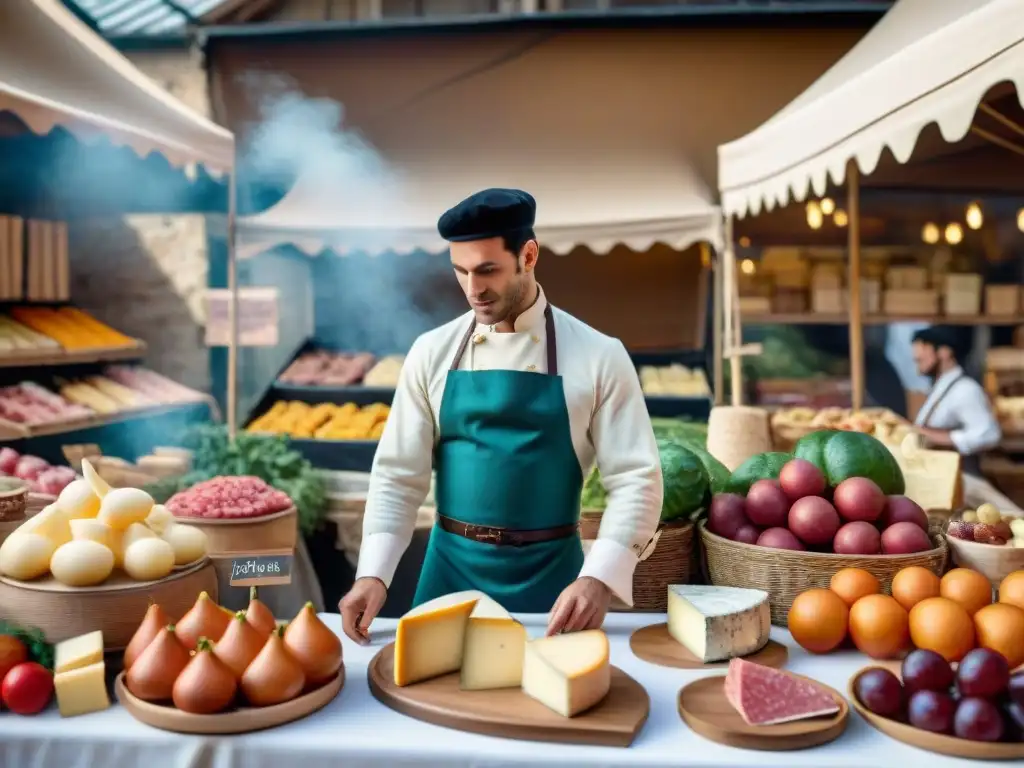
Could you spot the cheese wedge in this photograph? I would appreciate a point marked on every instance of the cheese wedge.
(52, 523)
(430, 638)
(82, 691)
(569, 673)
(493, 653)
(78, 652)
(718, 623)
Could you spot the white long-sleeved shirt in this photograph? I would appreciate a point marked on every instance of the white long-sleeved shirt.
(607, 418)
(958, 403)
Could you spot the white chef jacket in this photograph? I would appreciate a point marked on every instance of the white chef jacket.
(958, 403)
(607, 418)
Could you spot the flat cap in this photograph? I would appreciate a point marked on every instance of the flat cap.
(490, 213)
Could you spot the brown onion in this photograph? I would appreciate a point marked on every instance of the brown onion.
(259, 615)
(206, 686)
(314, 646)
(154, 621)
(274, 676)
(240, 644)
(204, 619)
(155, 671)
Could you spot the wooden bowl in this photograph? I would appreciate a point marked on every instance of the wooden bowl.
(785, 573)
(994, 562)
(117, 606)
(244, 536)
(934, 742)
(13, 499)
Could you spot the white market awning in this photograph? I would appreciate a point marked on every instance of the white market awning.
(925, 62)
(55, 71)
(613, 132)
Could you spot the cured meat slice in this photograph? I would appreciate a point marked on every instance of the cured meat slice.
(766, 696)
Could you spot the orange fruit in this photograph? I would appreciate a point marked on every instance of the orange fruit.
(942, 625)
(852, 584)
(1000, 626)
(879, 626)
(969, 588)
(818, 620)
(913, 584)
(1011, 589)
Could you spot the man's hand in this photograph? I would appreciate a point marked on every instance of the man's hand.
(582, 605)
(936, 438)
(360, 607)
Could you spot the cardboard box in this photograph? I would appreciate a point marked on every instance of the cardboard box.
(906, 278)
(962, 294)
(1003, 300)
(910, 302)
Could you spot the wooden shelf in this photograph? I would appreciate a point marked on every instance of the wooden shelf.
(12, 431)
(844, 319)
(48, 358)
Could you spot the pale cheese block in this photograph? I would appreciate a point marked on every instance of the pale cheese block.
(82, 691)
(568, 673)
(430, 638)
(52, 522)
(932, 477)
(77, 652)
(718, 623)
(493, 652)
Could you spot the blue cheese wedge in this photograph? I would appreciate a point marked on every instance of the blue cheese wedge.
(718, 623)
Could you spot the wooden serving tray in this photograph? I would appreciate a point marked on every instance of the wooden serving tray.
(509, 713)
(703, 707)
(655, 645)
(934, 742)
(241, 720)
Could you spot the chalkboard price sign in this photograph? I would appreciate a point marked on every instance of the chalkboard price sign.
(261, 570)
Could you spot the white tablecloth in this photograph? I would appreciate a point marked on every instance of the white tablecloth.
(356, 731)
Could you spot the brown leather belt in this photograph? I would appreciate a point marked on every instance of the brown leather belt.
(504, 537)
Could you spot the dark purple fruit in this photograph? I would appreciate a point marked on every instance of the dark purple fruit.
(931, 711)
(978, 719)
(926, 671)
(880, 691)
(1015, 721)
(1016, 688)
(982, 672)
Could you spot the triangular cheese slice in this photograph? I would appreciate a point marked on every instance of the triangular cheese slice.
(430, 638)
(718, 623)
(494, 648)
(766, 696)
(568, 673)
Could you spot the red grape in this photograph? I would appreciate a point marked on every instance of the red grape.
(880, 691)
(982, 672)
(1016, 688)
(931, 711)
(978, 720)
(1015, 719)
(926, 671)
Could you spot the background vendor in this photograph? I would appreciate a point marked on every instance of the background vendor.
(511, 404)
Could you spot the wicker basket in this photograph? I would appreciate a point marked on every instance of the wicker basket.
(667, 559)
(784, 573)
(737, 432)
(243, 536)
(13, 500)
(786, 434)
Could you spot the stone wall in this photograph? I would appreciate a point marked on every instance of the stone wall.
(146, 275)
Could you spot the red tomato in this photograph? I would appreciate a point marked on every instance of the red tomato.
(27, 688)
(12, 653)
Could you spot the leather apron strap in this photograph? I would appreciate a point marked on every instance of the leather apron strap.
(549, 332)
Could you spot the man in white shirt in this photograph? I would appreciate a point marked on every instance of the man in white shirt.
(510, 419)
(957, 413)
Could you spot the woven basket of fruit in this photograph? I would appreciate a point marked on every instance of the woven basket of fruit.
(987, 541)
(791, 521)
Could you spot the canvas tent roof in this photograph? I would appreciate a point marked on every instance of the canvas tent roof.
(926, 63)
(55, 71)
(614, 132)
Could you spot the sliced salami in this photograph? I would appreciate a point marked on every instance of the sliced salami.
(766, 696)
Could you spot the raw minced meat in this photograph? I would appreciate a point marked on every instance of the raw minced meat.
(229, 497)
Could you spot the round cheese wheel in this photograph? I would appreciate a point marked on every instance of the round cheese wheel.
(148, 559)
(25, 556)
(92, 530)
(124, 506)
(159, 519)
(134, 532)
(188, 543)
(78, 501)
(82, 563)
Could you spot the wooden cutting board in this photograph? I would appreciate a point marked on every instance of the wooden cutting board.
(655, 645)
(510, 713)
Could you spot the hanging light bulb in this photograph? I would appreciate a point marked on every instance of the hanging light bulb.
(954, 233)
(1020, 219)
(747, 267)
(974, 216)
(930, 233)
(827, 205)
(815, 218)
(840, 218)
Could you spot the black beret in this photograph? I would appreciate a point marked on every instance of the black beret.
(486, 214)
(957, 339)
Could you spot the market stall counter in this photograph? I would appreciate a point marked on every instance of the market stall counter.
(358, 731)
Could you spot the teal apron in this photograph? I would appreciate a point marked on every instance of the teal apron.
(507, 488)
